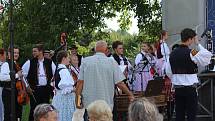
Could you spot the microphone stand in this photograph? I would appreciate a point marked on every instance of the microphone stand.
(145, 63)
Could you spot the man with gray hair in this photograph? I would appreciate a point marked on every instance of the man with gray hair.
(45, 112)
(98, 77)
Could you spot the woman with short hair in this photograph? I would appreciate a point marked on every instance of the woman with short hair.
(45, 112)
(99, 110)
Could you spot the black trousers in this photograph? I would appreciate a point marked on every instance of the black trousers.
(6, 98)
(186, 103)
(86, 117)
(42, 94)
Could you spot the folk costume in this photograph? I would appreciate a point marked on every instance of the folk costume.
(64, 99)
(182, 68)
(39, 74)
(145, 70)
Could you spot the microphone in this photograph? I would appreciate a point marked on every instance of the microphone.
(204, 33)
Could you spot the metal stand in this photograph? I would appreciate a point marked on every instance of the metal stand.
(208, 79)
(139, 69)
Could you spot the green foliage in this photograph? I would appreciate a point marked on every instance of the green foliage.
(42, 21)
(148, 13)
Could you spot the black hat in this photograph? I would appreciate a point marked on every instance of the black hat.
(73, 47)
(46, 51)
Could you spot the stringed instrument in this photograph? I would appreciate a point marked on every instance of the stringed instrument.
(22, 95)
(74, 76)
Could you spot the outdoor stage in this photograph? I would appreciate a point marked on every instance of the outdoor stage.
(198, 15)
(206, 96)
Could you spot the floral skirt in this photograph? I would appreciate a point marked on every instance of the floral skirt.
(65, 105)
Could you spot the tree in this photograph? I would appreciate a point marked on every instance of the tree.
(42, 21)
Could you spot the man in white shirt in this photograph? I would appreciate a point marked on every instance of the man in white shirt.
(39, 72)
(4, 77)
(182, 68)
(8, 91)
(121, 60)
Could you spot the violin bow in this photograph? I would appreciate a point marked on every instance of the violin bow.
(30, 87)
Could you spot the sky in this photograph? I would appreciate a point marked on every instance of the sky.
(114, 25)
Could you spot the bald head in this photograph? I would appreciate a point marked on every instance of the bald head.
(101, 46)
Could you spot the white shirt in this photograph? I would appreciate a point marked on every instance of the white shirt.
(42, 81)
(66, 83)
(202, 58)
(4, 72)
(151, 59)
(122, 62)
(165, 50)
(139, 57)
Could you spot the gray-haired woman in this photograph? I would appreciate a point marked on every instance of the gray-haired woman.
(143, 110)
(45, 112)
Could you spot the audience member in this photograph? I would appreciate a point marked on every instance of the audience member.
(99, 110)
(45, 112)
(143, 110)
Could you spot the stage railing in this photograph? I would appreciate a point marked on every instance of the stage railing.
(206, 79)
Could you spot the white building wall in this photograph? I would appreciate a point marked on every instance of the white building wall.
(180, 14)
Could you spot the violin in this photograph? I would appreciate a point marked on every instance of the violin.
(74, 74)
(22, 96)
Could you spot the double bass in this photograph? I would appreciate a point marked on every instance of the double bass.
(22, 95)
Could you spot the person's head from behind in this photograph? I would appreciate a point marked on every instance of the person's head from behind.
(118, 47)
(45, 112)
(74, 49)
(143, 110)
(101, 46)
(62, 57)
(188, 36)
(99, 111)
(108, 51)
(47, 54)
(2, 55)
(163, 35)
(175, 46)
(152, 49)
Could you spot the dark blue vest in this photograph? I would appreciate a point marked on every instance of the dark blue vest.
(33, 74)
(116, 57)
(181, 62)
